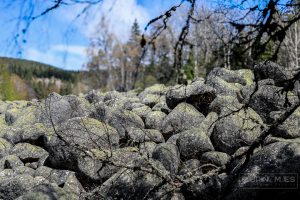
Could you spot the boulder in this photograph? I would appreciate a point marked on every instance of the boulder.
(216, 158)
(271, 70)
(119, 119)
(99, 165)
(162, 106)
(290, 127)
(277, 162)
(209, 188)
(243, 76)
(48, 191)
(57, 109)
(29, 153)
(53, 175)
(5, 147)
(150, 99)
(183, 117)
(267, 99)
(193, 143)
(128, 184)
(154, 120)
(137, 135)
(14, 185)
(168, 155)
(197, 93)
(190, 168)
(76, 136)
(158, 89)
(142, 111)
(236, 130)
(10, 162)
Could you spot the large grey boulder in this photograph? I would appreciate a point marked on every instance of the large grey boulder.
(156, 89)
(154, 120)
(5, 147)
(162, 105)
(78, 135)
(168, 154)
(57, 109)
(29, 153)
(290, 127)
(49, 191)
(197, 93)
(14, 185)
(271, 70)
(53, 175)
(236, 130)
(190, 168)
(119, 119)
(98, 165)
(137, 135)
(267, 99)
(216, 158)
(10, 162)
(279, 164)
(243, 76)
(128, 184)
(209, 188)
(193, 143)
(183, 117)
(142, 111)
(150, 99)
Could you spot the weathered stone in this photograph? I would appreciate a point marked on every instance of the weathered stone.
(119, 119)
(274, 160)
(215, 157)
(271, 70)
(183, 117)
(29, 153)
(193, 143)
(142, 111)
(197, 94)
(76, 136)
(150, 99)
(168, 155)
(57, 109)
(236, 130)
(137, 135)
(190, 168)
(5, 147)
(53, 175)
(48, 191)
(290, 127)
(10, 162)
(154, 120)
(266, 99)
(162, 106)
(128, 184)
(16, 185)
(99, 165)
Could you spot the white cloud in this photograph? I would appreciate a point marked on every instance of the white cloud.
(63, 56)
(120, 14)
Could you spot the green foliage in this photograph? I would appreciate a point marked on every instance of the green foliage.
(189, 67)
(7, 88)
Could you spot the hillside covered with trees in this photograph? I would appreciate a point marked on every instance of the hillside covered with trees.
(23, 79)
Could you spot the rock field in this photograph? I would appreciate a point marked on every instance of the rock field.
(206, 140)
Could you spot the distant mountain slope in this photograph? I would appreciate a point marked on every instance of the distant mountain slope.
(25, 79)
(26, 69)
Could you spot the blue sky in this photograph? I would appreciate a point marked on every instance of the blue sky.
(60, 41)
